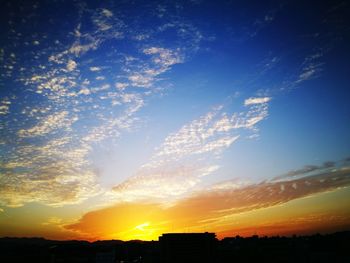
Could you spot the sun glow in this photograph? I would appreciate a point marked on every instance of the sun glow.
(144, 231)
(142, 226)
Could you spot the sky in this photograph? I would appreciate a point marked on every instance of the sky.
(129, 119)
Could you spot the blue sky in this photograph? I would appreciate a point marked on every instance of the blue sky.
(115, 101)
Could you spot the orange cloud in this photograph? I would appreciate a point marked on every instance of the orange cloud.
(212, 210)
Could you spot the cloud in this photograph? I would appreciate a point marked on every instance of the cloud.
(211, 132)
(311, 67)
(252, 101)
(71, 65)
(53, 221)
(162, 183)
(121, 85)
(84, 91)
(4, 106)
(306, 74)
(163, 57)
(308, 170)
(141, 80)
(107, 12)
(56, 173)
(95, 69)
(51, 189)
(67, 108)
(162, 60)
(52, 122)
(79, 49)
(212, 208)
(188, 155)
(265, 194)
(107, 24)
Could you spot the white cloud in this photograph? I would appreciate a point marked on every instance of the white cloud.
(307, 74)
(189, 154)
(4, 106)
(71, 65)
(161, 61)
(53, 174)
(84, 91)
(107, 12)
(163, 57)
(52, 122)
(141, 80)
(79, 49)
(162, 183)
(121, 85)
(95, 68)
(311, 67)
(259, 100)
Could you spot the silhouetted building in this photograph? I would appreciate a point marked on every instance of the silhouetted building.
(187, 247)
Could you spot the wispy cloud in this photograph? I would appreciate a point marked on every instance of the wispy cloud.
(308, 170)
(52, 122)
(71, 65)
(106, 12)
(190, 154)
(265, 194)
(252, 101)
(53, 221)
(162, 59)
(214, 207)
(311, 67)
(95, 68)
(4, 106)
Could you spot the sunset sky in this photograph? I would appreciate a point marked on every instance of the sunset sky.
(129, 119)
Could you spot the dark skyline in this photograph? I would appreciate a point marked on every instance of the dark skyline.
(181, 247)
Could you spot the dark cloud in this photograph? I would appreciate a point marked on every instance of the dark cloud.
(329, 164)
(304, 170)
(307, 169)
